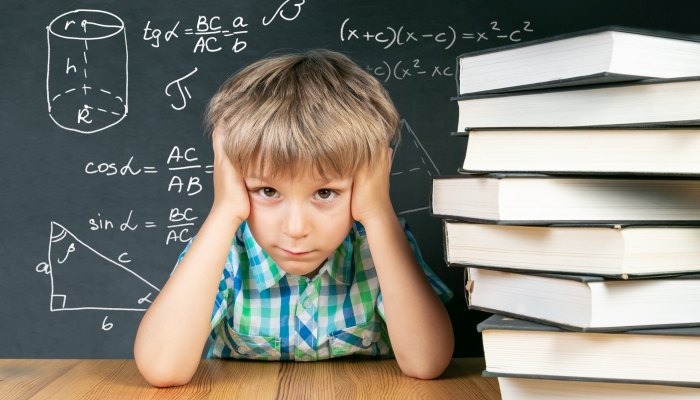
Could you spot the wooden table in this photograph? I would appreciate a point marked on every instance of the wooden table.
(231, 379)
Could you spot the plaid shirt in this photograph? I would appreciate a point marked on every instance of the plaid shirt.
(263, 313)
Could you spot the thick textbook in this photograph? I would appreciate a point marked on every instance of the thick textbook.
(538, 199)
(647, 103)
(606, 54)
(606, 251)
(584, 151)
(515, 387)
(587, 303)
(518, 348)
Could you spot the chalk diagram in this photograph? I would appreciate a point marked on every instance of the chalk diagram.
(87, 80)
(412, 170)
(84, 279)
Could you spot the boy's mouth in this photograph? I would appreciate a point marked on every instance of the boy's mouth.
(295, 254)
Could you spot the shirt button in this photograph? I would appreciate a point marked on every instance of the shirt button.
(306, 357)
(366, 341)
(307, 303)
(243, 349)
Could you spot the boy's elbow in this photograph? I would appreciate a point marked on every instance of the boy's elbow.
(161, 373)
(427, 366)
(163, 376)
(425, 371)
(164, 381)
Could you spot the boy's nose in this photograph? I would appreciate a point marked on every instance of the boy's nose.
(295, 225)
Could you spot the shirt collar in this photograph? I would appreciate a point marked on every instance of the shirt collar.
(267, 273)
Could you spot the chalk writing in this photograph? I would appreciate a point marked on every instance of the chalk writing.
(176, 181)
(403, 35)
(414, 170)
(107, 325)
(177, 231)
(111, 169)
(155, 34)
(89, 263)
(78, 100)
(180, 220)
(280, 12)
(402, 69)
(180, 88)
(207, 30)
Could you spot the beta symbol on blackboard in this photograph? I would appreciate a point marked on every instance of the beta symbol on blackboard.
(84, 279)
(280, 12)
(180, 87)
(87, 80)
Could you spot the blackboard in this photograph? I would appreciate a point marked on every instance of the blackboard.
(128, 180)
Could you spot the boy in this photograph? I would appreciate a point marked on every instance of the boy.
(302, 160)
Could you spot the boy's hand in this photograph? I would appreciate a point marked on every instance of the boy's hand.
(230, 191)
(370, 191)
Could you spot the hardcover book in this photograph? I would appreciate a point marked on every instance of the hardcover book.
(519, 348)
(584, 151)
(513, 387)
(601, 55)
(648, 103)
(606, 251)
(587, 303)
(537, 199)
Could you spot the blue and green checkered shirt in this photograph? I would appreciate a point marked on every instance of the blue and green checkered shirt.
(261, 312)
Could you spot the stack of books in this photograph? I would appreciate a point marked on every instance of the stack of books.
(577, 213)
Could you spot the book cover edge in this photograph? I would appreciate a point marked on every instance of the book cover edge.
(614, 85)
(567, 35)
(632, 330)
(488, 374)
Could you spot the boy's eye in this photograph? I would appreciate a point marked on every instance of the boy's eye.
(267, 192)
(326, 194)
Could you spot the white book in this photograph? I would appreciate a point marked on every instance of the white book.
(598, 251)
(586, 302)
(580, 151)
(522, 349)
(646, 103)
(604, 54)
(542, 199)
(550, 389)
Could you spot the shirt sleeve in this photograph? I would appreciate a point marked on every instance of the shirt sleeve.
(443, 292)
(223, 294)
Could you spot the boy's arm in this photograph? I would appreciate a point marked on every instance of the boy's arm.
(173, 332)
(419, 327)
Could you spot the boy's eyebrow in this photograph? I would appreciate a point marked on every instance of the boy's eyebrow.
(262, 179)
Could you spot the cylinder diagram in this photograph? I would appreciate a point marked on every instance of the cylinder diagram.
(87, 82)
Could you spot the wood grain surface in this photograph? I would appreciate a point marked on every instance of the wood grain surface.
(232, 379)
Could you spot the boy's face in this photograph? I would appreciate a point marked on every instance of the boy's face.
(299, 222)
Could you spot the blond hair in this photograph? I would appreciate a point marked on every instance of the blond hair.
(302, 112)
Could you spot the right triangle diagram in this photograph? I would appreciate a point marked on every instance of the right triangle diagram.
(84, 279)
